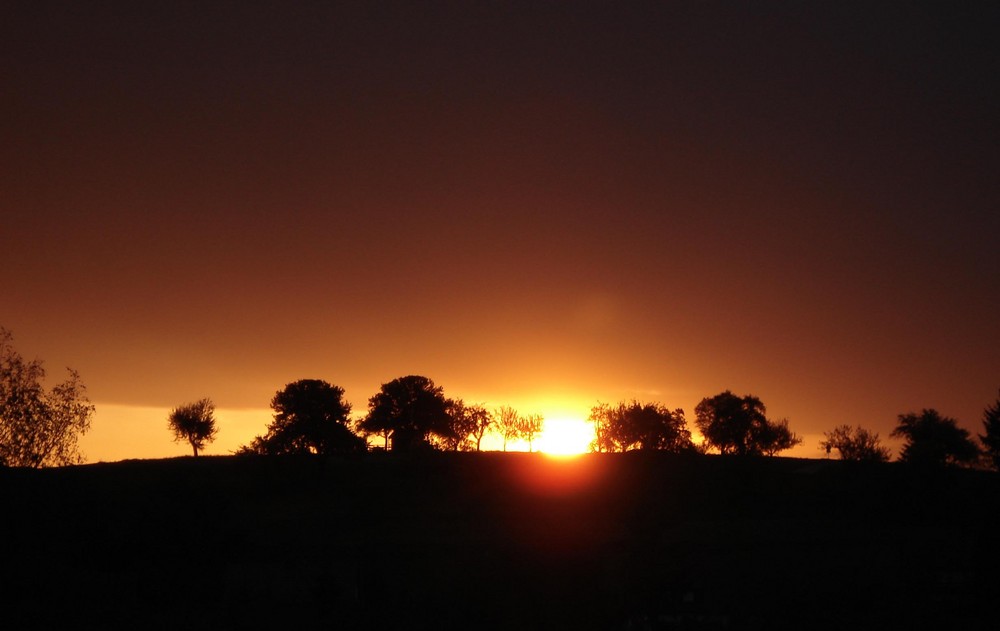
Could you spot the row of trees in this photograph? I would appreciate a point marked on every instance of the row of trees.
(311, 416)
(411, 412)
(408, 413)
(729, 423)
(40, 427)
(930, 439)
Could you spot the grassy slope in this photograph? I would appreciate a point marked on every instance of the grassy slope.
(497, 541)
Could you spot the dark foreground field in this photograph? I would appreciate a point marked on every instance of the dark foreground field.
(491, 541)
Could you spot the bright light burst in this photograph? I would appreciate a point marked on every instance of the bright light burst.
(565, 436)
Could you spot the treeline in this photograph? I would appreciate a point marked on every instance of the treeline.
(411, 412)
(406, 414)
(729, 423)
(40, 427)
(930, 440)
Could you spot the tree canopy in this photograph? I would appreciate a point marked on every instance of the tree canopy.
(739, 425)
(194, 423)
(991, 439)
(310, 416)
(634, 425)
(934, 440)
(855, 443)
(776, 436)
(469, 423)
(39, 427)
(406, 411)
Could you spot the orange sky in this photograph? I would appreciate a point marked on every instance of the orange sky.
(523, 203)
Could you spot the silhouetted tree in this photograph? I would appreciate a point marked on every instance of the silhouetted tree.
(776, 436)
(635, 425)
(37, 427)
(366, 428)
(310, 416)
(194, 423)
(731, 423)
(855, 443)
(602, 433)
(408, 410)
(461, 427)
(469, 424)
(481, 421)
(991, 439)
(508, 423)
(529, 427)
(934, 440)
(738, 425)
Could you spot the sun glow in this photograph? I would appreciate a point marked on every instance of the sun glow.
(565, 436)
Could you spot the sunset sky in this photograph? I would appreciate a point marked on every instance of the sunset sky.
(544, 205)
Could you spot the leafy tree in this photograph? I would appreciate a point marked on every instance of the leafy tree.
(738, 425)
(731, 423)
(529, 427)
(776, 436)
(310, 416)
(458, 438)
(408, 410)
(194, 423)
(37, 427)
(991, 439)
(934, 440)
(855, 443)
(469, 424)
(635, 425)
(508, 423)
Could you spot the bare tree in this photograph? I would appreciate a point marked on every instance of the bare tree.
(530, 427)
(508, 423)
(476, 422)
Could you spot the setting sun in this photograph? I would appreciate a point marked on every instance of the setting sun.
(565, 436)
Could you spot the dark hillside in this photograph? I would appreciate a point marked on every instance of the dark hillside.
(498, 541)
